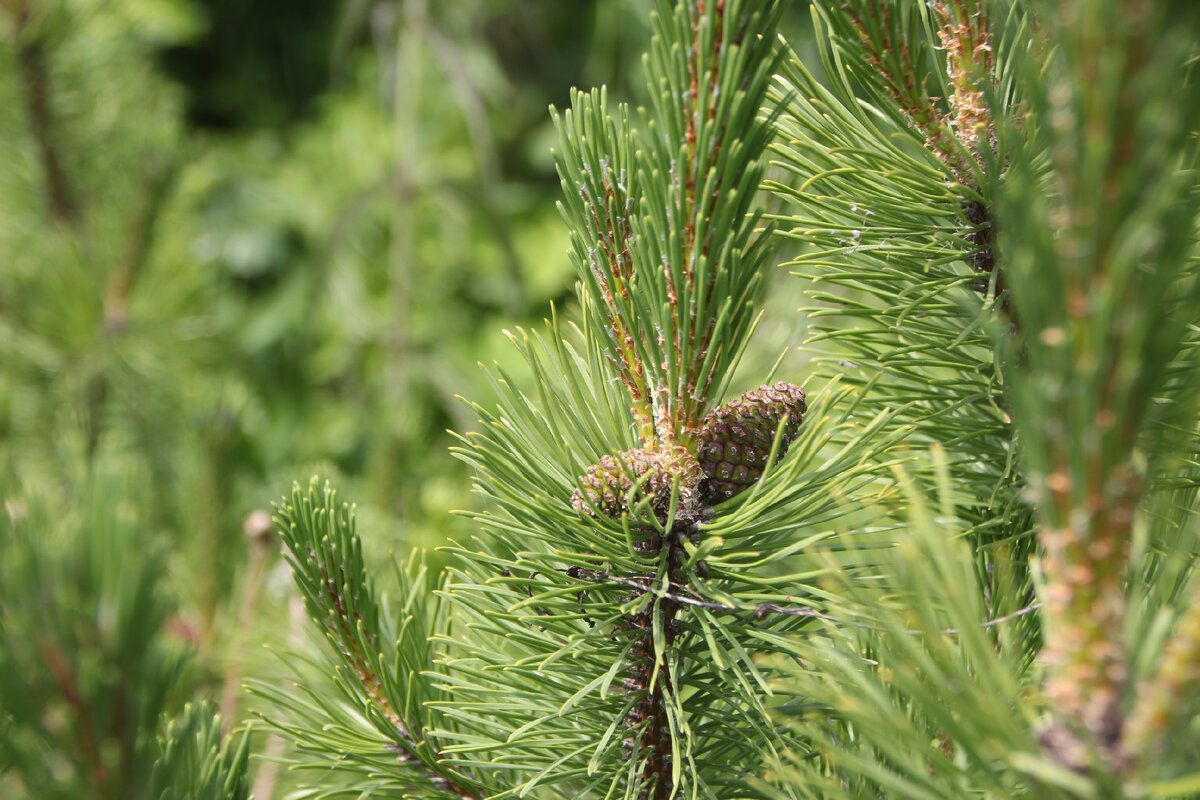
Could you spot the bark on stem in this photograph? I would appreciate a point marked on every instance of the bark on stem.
(35, 80)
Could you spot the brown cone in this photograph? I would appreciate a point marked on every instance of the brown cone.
(735, 440)
(607, 483)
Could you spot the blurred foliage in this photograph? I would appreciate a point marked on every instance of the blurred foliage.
(94, 656)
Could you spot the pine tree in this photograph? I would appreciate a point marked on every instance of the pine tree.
(957, 563)
(607, 634)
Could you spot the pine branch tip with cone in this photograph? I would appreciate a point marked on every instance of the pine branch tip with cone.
(733, 446)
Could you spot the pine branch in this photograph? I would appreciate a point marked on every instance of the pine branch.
(1108, 311)
(677, 307)
(197, 763)
(31, 59)
(382, 658)
(567, 644)
(139, 239)
(901, 48)
(919, 696)
(698, 176)
(899, 241)
(1096, 236)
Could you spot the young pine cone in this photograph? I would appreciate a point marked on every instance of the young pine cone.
(606, 484)
(736, 438)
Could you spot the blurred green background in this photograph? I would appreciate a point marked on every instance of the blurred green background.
(247, 242)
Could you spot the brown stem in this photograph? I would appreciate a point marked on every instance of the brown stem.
(676, 429)
(981, 238)
(1087, 525)
(344, 630)
(138, 238)
(653, 742)
(614, 237)
(651, 738)
(656, 739)
(344, 623)
(258, 528)
(63, 673)
(31, 63)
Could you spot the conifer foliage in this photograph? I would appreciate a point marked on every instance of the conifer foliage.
(610, 632)
(957, 563)
(1014, 237)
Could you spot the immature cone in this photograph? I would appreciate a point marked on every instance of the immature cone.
(607, 483)
(735, 440)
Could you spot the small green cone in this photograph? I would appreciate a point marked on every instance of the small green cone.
(735, 440)
(606, 484)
